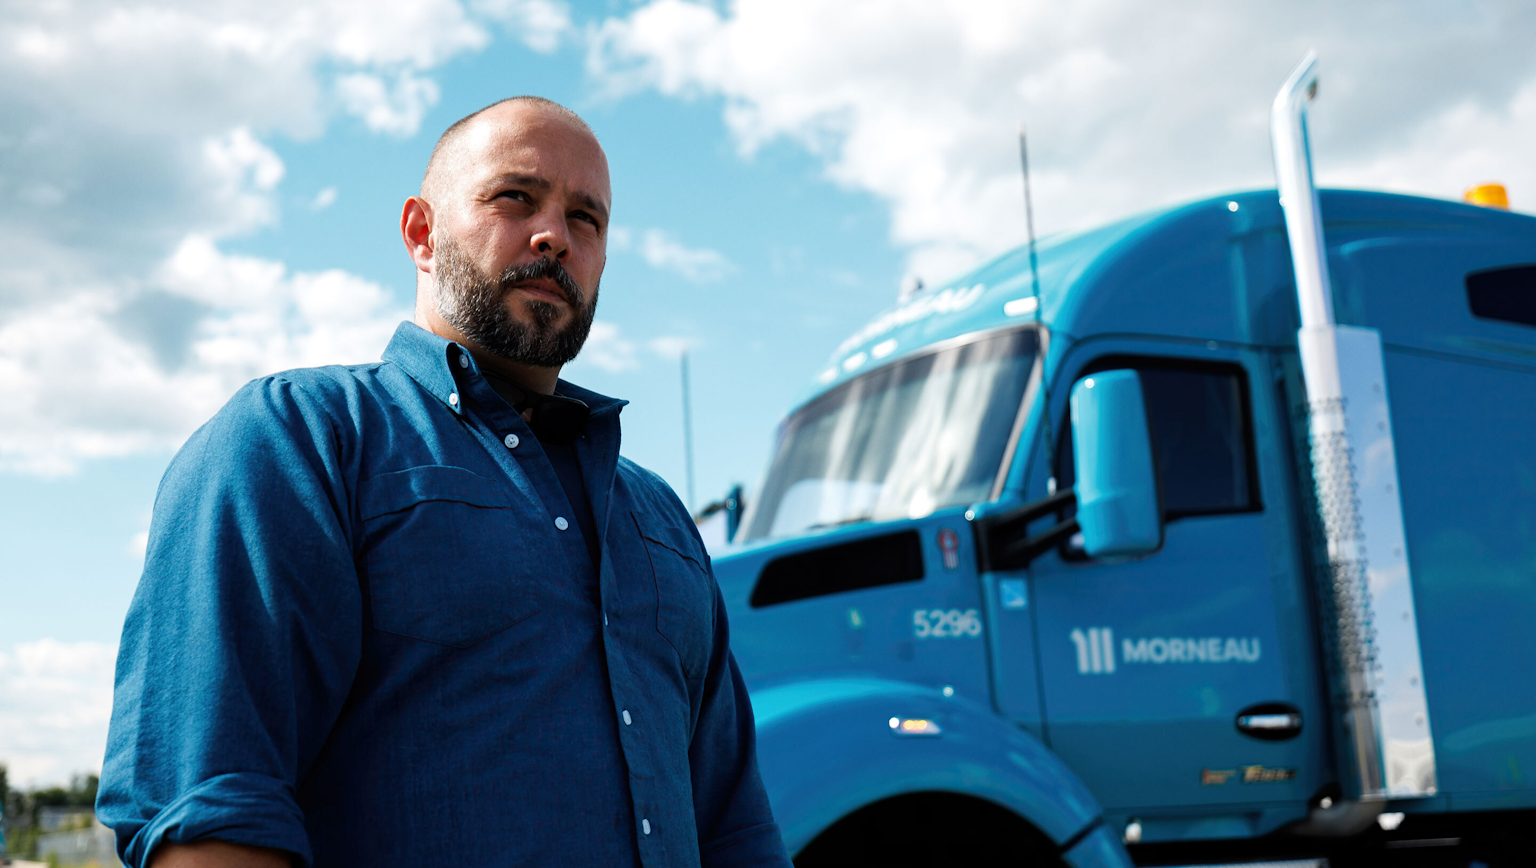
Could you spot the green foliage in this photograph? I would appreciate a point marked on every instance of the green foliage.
(80, 794)
(21, 809)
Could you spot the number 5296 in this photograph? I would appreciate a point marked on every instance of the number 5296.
(945, 623)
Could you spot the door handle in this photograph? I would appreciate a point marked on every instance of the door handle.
(1270, 721)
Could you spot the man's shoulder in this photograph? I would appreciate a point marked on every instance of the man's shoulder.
(328, 380)
(331, 398)
(652, 493)
(326, 386)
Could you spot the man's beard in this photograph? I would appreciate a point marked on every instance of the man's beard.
(476, 305)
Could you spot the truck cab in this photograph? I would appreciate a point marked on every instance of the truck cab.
(944, 669)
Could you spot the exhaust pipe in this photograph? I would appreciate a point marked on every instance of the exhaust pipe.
(1374, 639)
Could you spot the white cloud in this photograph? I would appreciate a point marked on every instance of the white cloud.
(671, 346)
(134, 136)
(608, 349)
(1129, 106)
(245, 171)
(539, 24)
(138, 545)
(123, 369)
(398, 110)
(1465, 144)
(55, 704)
(663, 252)
(323, 199)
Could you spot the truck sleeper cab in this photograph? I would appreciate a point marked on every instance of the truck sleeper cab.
(939, 673)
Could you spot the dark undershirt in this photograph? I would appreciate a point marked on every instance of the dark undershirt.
(562, 456)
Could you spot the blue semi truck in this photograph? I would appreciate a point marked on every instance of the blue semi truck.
(1209, 534)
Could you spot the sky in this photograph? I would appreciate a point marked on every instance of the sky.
(200, 192)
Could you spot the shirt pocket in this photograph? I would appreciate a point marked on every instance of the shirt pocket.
(444, 556)
(685, 594)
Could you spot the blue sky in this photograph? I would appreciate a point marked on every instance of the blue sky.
(201, 193)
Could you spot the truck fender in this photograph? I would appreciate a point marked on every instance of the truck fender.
(827, 747)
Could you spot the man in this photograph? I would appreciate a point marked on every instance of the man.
(420, 612)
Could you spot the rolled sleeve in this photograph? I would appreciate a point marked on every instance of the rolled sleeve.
(243, 637)
(238, 808)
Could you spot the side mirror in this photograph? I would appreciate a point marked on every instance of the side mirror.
(1117, 503)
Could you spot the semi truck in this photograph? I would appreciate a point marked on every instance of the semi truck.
(1206, 535)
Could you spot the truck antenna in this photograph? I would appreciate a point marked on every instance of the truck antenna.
(687, 429)
(1034, 277)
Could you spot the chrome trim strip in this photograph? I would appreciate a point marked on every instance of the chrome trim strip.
(1032, 389)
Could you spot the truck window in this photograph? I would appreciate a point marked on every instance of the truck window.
(1201, 437)
(1507, 294)
(903, 440)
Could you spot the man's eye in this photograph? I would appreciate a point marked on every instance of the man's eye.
(582, 215)
(519, 195)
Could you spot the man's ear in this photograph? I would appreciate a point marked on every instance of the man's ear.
(416, 221)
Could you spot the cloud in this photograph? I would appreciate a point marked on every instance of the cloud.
(539, 24)
(138, 545)
(663, 252)
(671, 346)
(323, 199)
(608, 349)
(55, 704)
(245, 171)
(135, 137)
(397, 110)
(115, 370)
(1129, 106)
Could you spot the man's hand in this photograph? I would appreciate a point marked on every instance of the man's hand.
(218, 854)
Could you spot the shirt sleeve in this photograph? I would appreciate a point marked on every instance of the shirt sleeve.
(731, 810)
(244, 634)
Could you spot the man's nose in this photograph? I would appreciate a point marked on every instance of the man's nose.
(550, 239)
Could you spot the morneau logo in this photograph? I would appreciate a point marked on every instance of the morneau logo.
(1096, 650)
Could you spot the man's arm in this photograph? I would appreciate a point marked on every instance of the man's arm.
(731, 811)
(242, 639)
(217, 854)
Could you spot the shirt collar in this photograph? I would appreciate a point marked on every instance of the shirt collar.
(437, 365)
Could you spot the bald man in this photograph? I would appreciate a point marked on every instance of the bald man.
(420, 611)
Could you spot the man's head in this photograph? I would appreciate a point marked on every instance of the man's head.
(509, 235)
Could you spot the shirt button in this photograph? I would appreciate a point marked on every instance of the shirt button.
(645, 825)
(463, 360)
(511, 441)
(453, 399)
(605, 619)
(626, 717)
(561, 523)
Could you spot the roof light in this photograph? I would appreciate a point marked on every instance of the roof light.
(1487, 195)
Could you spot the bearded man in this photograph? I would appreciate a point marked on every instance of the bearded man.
(420, 611)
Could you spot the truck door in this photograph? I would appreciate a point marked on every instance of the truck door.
(1146, 665)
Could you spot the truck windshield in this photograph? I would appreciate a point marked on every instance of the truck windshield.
(917, 435)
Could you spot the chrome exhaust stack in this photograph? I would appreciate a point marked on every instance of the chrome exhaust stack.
(1389, 752)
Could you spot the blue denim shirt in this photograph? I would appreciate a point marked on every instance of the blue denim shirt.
(369, 633)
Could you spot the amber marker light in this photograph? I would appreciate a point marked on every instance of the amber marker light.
(1487, 195)
(908, 726)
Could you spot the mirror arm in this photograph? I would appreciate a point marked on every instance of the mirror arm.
(1018, 554)
(1013, 523)
(1017, 518)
